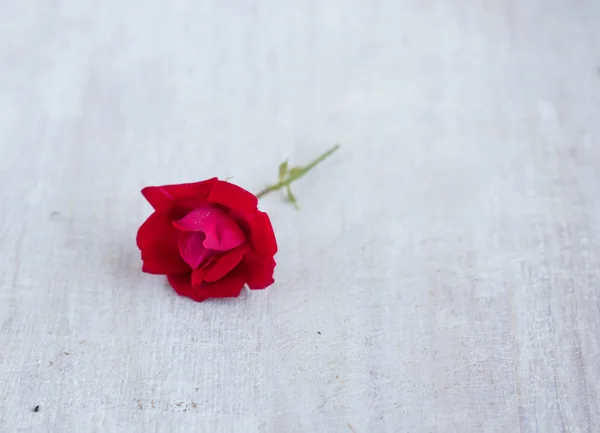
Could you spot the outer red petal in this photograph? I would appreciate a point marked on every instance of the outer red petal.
(150, 230)
(225, 264)
(163, 197)
(227, 287)
(164, 265)
(260, 271)
(158, 241)
(183, 286)
(263, 237)
(233, 197)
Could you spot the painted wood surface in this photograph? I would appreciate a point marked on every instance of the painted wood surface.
(442, 274)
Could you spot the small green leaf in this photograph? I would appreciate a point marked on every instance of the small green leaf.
(291, 197)
(296, 171)
(283, 170)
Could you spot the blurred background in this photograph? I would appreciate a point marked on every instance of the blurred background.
(441, 274)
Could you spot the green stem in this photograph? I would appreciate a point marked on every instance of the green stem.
(297, 175)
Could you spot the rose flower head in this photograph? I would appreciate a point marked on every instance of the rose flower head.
(208, 238)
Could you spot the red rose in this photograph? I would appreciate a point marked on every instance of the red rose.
(209, 238)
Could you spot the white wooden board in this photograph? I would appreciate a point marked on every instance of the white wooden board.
(441, 276)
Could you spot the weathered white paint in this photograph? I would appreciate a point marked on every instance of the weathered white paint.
(441, 276)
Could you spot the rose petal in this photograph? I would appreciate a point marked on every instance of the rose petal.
(197, 220)
(233, 197)
(260, 271)
(183, 286)
(191, 249)
(157, 240)
(198, 277)
(222, 232)
(157, 227)
(164, 197)
(167, 264)
(229, 286)
(263, 237)
(223, 265)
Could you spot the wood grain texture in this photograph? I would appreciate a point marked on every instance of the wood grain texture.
(442, 274)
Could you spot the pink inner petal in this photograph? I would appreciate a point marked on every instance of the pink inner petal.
(191, 249)
(222, 232)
